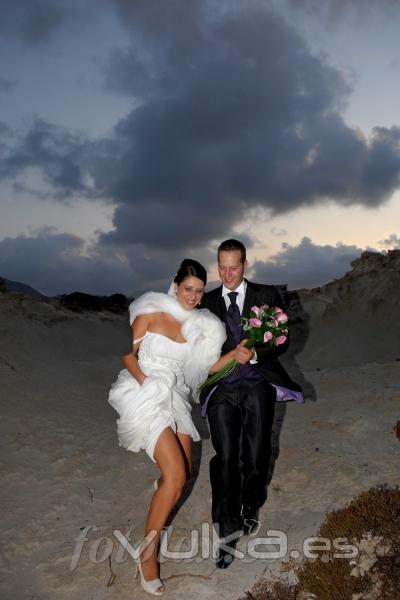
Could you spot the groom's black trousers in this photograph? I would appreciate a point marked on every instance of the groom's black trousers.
(240, 418)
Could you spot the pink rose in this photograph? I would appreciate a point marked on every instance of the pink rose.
(267, 336)
(280, 340)
(282, 317)
(277, 310)
(255, 322)
(256, 310)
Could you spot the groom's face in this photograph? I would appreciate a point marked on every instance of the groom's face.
(231, 268)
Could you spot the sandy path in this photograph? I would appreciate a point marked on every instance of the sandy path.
(62, 469)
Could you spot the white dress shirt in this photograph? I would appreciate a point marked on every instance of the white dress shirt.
(241, 291)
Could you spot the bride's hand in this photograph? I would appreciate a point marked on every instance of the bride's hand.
(142, 379)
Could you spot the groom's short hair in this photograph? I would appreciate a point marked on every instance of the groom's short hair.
(231, 245)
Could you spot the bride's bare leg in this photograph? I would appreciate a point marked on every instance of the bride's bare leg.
(185, 442)
(186, 445)
(170, 458)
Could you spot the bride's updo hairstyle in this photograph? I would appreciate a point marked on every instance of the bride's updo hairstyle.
(190, 268)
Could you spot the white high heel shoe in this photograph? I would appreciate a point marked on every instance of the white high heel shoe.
(153, 586)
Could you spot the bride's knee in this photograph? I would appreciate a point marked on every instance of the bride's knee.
(175, 483)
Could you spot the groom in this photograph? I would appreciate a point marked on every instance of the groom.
(240, 411)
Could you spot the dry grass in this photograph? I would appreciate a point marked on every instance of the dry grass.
(376, 512)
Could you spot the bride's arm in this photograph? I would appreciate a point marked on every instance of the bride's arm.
(221, 362)
(240, 353)
(139, 327)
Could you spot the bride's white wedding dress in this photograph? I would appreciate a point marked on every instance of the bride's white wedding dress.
(173, 372)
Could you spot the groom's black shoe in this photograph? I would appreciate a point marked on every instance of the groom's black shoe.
(251, 524)
(226, 554)
(224, 559)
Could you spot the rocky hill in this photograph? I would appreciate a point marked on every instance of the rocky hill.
(352, 320)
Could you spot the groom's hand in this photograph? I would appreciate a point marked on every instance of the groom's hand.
(242, 354)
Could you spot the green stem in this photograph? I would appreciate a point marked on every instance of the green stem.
(228, 369)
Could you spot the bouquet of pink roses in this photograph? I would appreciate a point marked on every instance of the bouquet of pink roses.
(265, 325)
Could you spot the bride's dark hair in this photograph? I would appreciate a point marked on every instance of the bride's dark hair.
(190, 268)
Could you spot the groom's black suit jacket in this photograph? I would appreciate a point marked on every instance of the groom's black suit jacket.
(268, 364)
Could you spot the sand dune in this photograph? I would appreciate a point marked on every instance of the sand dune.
(62, 468)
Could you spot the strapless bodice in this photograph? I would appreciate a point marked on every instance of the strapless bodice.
(157, 348)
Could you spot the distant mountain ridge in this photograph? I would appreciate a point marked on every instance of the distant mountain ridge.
(19, 288)
(75, 302)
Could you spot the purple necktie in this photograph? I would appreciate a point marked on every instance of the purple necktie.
(233, 310)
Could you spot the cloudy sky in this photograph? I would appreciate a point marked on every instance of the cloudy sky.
(134, 133)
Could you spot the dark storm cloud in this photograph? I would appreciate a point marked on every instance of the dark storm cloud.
(306, 265)
(231, 112)
(160, 225)
(55, 263)
(33, 21)
(57, 153)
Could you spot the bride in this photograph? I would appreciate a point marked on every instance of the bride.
(176, 347)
